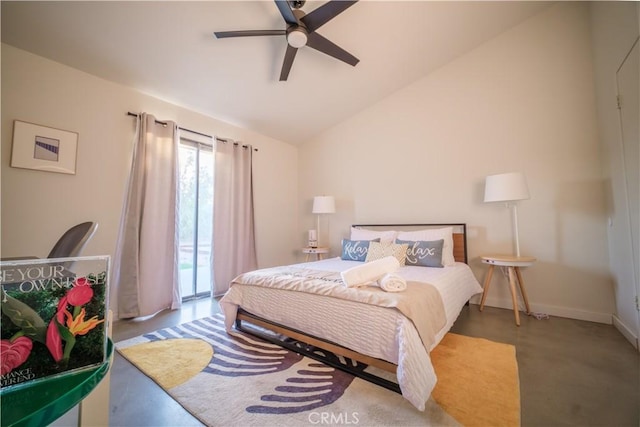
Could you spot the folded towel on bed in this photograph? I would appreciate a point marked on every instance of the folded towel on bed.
(392, 283)
(369, 271)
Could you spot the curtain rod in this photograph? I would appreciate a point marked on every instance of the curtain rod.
(129, 113)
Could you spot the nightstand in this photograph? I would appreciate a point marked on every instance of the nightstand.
(512, 263)
(319, 253)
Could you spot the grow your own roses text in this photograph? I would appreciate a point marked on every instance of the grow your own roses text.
(36, 278)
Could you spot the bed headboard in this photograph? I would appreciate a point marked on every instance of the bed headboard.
(459, 234)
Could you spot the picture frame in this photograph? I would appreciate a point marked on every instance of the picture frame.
(43, 148)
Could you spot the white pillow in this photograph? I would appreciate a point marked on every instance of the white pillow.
(385, 237)
(434, 234)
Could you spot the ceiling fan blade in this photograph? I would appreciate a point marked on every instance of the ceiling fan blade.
(289, 56)
(286, 12)
(249, 33)
(325, 13)
(324, 45)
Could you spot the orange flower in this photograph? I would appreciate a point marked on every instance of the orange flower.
(79, 326)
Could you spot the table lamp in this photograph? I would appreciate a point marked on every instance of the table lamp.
(508, 188)
(323, 205)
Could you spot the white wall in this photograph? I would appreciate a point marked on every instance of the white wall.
(37, 207)
(614, 30)
(523, 101)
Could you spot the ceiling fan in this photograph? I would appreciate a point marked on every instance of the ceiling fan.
(301, 31)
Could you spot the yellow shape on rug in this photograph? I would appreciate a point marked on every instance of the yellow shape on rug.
(478, 381)
(170, 362)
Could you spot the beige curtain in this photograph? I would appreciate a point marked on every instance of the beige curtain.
(234, 249)
(145, 266)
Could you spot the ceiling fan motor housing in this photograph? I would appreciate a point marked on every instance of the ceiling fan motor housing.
(296, 4)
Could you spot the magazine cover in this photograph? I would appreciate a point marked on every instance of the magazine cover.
(53, 317)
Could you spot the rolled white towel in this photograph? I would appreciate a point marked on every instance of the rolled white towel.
(369, 271)
(392, 283)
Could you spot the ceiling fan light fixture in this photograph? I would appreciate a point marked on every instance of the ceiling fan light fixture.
(297, 38)
(301, 29)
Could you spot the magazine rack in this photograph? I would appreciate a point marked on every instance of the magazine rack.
(43, 402)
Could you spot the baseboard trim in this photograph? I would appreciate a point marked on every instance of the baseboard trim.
(551, 310)
(626, 332)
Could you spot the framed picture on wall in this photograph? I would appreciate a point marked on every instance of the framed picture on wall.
(43, 148)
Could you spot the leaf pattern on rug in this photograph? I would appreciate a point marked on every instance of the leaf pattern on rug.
(318, 386)
(235, 354)
(246, 356)
(238, 354)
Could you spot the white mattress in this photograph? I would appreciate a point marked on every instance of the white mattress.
(374, 331)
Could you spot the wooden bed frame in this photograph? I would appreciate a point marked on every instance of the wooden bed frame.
(308, 345)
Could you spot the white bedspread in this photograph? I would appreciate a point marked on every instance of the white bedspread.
(371, 330)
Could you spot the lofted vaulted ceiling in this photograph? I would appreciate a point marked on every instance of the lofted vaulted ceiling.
(167, 50)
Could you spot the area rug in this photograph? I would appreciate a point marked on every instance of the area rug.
(238, 380)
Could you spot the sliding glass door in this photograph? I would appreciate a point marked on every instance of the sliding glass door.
(196, 218)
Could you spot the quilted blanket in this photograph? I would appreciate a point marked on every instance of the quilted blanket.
(420, 302)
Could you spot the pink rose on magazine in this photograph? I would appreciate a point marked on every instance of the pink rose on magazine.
(14, 353)
(81, 293)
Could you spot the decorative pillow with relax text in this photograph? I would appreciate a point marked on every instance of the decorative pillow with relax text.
(424, 253)
(355, 250)
(379, 251)
(431, 234)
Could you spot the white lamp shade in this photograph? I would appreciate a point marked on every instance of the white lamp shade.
(324, 205)
(506, 187)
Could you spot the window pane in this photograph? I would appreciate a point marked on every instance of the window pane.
(205, 221)
(186, 217)
(196, 218)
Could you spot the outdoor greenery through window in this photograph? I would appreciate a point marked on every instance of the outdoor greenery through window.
(195, 216)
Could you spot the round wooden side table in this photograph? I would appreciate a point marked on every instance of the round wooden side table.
(318, 252)
(512, 263)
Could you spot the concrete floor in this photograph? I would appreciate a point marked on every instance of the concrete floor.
(572, 373)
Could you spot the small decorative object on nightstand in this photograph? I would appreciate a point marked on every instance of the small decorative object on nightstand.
(512, 263)
(318, 252)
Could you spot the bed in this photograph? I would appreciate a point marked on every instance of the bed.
(341, 319)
